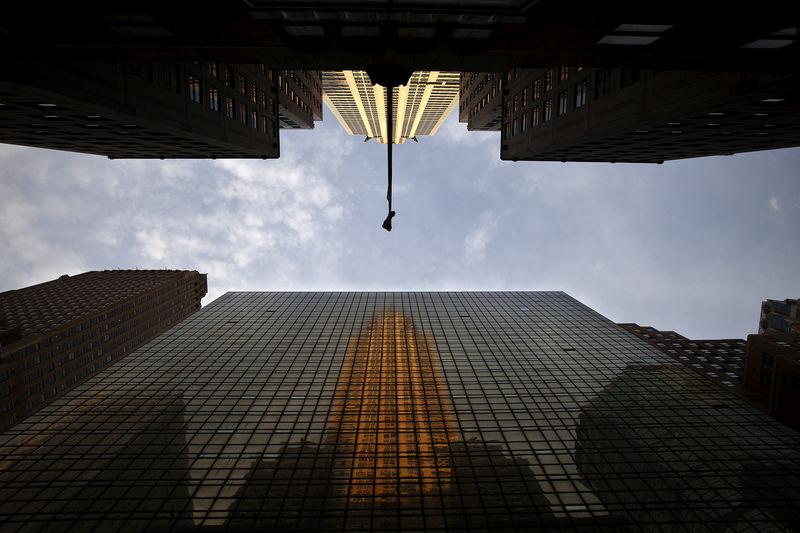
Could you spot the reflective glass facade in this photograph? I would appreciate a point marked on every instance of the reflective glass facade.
(387, 411)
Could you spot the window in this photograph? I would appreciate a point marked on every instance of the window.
(628, 76)
(537, 89)
(242, 85)
(253, 93)
(524, 122)
(548, 110)
(230, 108)
(535, 117)
(580, 94)
(142, 69)
(229, 78)
(563, 103)
(264, 101)
(563, 74)
(515, 127)
(548, 80)
(213, 98)
(243, 113)
(254, 119)
(213, 70)
(195, 94)
(172, 78)
(524, 97)
(516, 103)
(602, 82)
(264, 125)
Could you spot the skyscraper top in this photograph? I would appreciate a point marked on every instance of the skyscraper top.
(420, 106)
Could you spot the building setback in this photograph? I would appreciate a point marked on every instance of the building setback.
(419, 107)
(772, 375)
(567, 113)
(55, 335)
(299, 98)
(721, 360)
(399, 411)
(780, 316)
(480, 100)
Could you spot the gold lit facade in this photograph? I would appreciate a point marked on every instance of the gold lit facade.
(486, 411)
(420, 107)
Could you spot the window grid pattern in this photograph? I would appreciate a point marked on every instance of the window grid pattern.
(386, 411)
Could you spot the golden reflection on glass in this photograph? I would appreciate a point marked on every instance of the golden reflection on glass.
(390, 411)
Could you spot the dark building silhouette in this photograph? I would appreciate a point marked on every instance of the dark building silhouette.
(764, 370)
(139, 109)
(724, 482)
(568, 113)
(55, 335)
(772, 375)
(580, 81)
(156, 109)
(489, 411)
(469, 35)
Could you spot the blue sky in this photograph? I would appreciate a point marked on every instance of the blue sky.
(692, 246)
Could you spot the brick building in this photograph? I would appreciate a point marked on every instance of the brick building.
(56, 334)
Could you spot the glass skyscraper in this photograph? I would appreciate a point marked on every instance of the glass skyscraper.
(399, 411)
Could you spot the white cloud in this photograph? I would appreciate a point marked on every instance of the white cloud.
(478, 239)
(455, 133)
(773, 203)
(642, 243)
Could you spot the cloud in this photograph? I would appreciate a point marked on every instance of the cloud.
(773, 203)
(652, 244)
(453, 132)
(478, 239)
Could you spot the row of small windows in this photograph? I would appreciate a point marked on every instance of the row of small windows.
(248, 90)
(283, 84)
(86, 339)
(563, 102)
(246, 115)
(602, 85)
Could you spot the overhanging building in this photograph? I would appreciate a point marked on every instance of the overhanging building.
(419, 107)
(55, 335)
(399, 411)
(480, 100)
(156, 109)
(568, 113)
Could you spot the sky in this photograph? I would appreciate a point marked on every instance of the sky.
(692, 246)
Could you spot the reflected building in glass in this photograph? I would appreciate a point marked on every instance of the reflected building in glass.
(386, 411)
